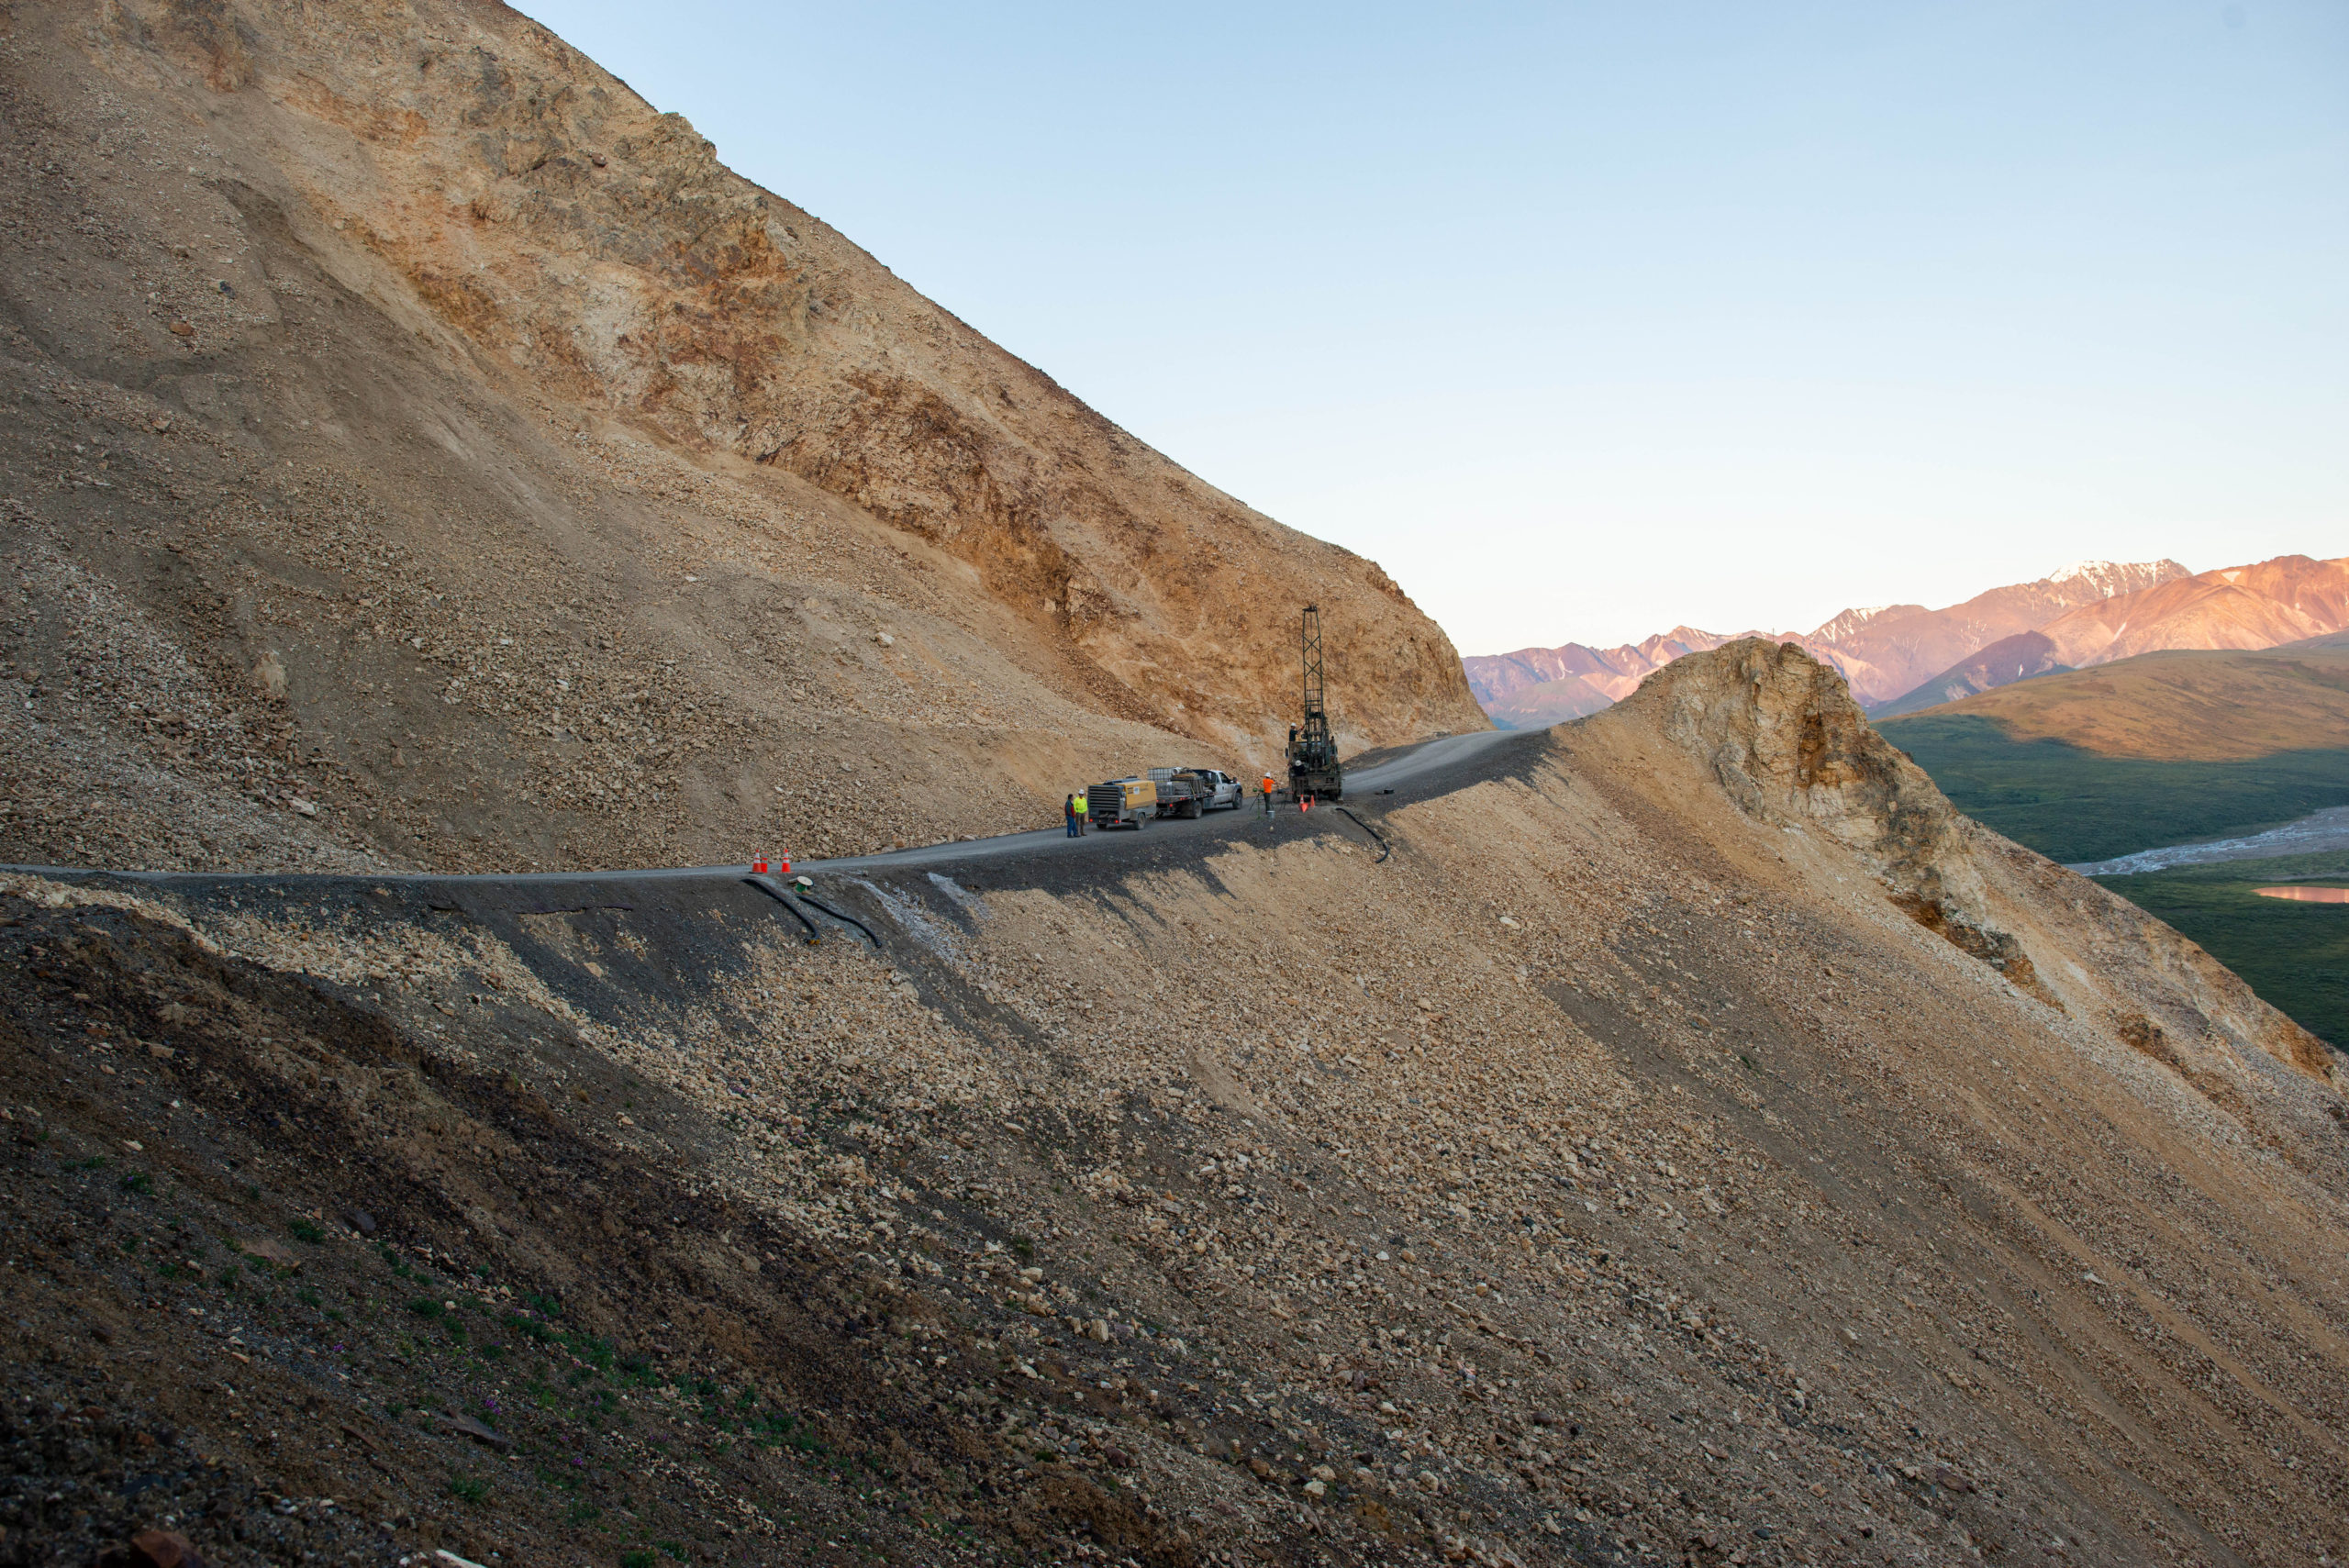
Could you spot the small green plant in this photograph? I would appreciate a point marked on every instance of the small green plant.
(468, 1488)
(674, 1549)
(136, 1181)
(309, 1297)
(95, 1163)
(581, 1511)
(304, 1230)
(637, 1560)
(128, 1243)
(528, 1328)
(595, 1353)
(425, 1307)
(1024, 1247)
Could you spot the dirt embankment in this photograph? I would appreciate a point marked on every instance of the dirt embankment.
(1675, 1183)
(409, 423)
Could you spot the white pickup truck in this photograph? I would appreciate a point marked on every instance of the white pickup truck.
(1228, 790)
(1210, 786)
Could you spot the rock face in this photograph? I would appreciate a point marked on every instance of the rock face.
(1782, 735)
(367, 331)
(1787, 743)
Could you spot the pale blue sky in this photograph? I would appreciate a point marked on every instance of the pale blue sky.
(1584, 320)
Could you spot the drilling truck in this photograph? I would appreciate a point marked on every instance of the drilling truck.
(1313, 768)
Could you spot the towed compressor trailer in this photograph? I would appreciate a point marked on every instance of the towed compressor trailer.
(1121, 803)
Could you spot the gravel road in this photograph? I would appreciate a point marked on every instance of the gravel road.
(1411, 772)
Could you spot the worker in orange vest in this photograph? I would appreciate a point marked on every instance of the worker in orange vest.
(1268, 795)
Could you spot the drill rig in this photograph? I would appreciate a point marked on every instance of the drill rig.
(1312, 750)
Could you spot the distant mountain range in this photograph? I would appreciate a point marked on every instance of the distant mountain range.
(1904, 658)
(1539, 686)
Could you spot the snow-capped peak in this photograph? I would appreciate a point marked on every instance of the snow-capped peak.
(2103, 579)
(1848, 622)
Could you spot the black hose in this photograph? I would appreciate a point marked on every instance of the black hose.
(841, 914)
(774, 890)
(1384, 851)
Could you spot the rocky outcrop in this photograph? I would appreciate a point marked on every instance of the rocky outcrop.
(1782, 734)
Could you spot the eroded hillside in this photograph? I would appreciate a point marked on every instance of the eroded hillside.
(420, 451)
(1683, 1139)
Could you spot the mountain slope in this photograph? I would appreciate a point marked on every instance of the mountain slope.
(2198, 705)
(1552, 702)
(425, 452)
(2010, 659)
(1797, 1166)
(2261, 606)
(1886, 654)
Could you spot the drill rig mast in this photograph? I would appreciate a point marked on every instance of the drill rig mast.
(1312, 750)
